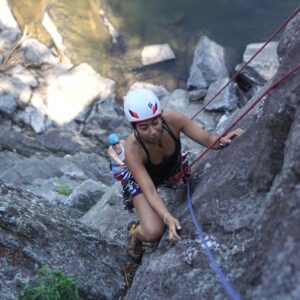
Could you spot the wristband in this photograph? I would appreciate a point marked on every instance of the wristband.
(221, 145)
(167, 214)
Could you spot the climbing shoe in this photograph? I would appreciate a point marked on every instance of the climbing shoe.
(135, 247)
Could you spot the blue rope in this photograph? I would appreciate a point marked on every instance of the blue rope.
(231, 292)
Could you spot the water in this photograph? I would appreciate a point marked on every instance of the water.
(231, 23)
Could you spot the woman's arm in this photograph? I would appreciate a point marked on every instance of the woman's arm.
(113, 155)
(199, 135)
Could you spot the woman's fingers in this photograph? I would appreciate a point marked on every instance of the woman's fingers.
(226, 140)
(173, 228)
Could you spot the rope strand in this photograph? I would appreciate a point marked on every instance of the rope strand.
(248, 62)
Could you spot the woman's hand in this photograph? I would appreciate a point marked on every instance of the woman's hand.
(226, 140)
(173, 225)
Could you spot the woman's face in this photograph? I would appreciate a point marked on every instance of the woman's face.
(150, 130)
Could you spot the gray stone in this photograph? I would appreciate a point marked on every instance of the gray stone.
(226, 101)
(208, 64)
(8, 103)
(266, 62)
(36, 53)
(32, 117)
(159, 90)
(289, 36)
(7, 38)
(196, 95)
(178, 100)
(86, 195)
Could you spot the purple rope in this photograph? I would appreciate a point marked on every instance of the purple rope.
(231, 292)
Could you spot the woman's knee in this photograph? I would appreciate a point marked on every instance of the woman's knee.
(153, 233)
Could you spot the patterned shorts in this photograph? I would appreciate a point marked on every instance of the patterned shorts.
(130, 186)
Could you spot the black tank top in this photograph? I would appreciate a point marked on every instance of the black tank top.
(160, 173)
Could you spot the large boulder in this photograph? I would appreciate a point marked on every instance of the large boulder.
(71, 92)
(34, 233)
(266, 62)
(226, 101)
(86, 195)
(208, 64)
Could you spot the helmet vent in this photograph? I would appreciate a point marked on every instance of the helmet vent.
(134, 114)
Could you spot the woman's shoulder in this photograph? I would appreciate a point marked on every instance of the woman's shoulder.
(174, 119)
(133, 149)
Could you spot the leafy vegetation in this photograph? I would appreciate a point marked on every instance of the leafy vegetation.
(50, 284)
(64, 190)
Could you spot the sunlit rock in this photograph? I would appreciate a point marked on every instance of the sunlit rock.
(56, 37)
(208, 64)
(7, 20)
(71, 92)
(266, 62)
(157, 53)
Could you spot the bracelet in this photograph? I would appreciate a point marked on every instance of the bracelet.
(221, 145)
(167, 214)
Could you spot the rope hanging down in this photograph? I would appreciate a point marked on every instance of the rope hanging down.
(232, 293)
(177, 177)
(248, 62)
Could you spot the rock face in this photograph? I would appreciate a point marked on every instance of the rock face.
(246, 196)
(247, 199)
(34, 233)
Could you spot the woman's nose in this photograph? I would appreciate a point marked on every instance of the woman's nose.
(152, 129)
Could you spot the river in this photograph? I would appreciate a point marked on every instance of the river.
(231, 23)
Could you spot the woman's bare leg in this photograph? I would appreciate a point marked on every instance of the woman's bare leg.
(151, 225)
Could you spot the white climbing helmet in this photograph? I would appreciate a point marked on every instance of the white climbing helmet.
(141, 105)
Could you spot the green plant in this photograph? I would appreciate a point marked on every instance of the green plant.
(22, 230)
(50, 284)
(64, 190)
